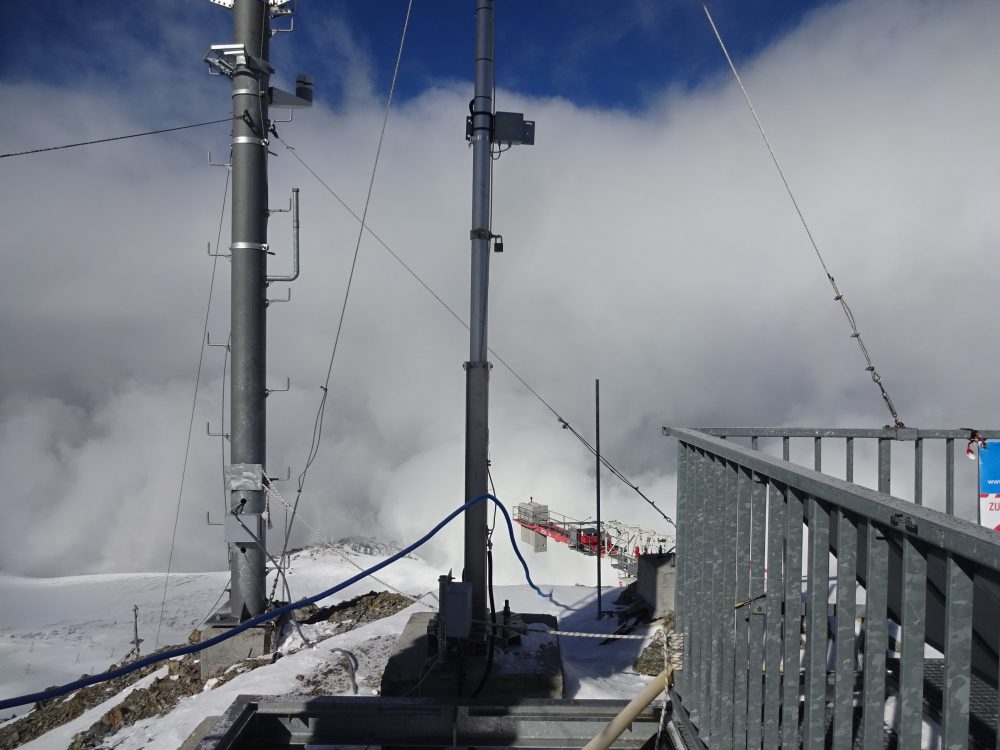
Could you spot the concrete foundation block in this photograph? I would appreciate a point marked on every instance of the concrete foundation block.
(257, 641)
(656, 582)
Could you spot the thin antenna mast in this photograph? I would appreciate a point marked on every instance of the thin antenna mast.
(477, 369)
(484, 127)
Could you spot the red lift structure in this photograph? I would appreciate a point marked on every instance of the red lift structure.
(620, 542)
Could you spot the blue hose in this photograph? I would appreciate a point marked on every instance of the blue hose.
(55, 692)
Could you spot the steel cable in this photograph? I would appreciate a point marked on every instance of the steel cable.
(114, 138)
(451, 311)
(317, 435)
(838, 295)
(194, 402)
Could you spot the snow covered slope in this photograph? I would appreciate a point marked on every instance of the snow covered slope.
(54, 630)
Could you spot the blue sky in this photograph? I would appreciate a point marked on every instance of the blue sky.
(605, 54)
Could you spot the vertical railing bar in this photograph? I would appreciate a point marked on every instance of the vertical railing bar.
(849, 474)
(741, 657)
(843, 701)
(818, 454)
(957, 655)
(719, 610)
(884, 464)
(691, 645)
(708, 571)
(949, 476)
(911, 669)
(755, 682)
(793, 619)
(704, 571)
(754, 440)
(996, 727)
(816, 624)
(786, 448)
(682, 556)
(876, 635)
(707, 636)
(776, 498)
(918, 471)
(731, 511)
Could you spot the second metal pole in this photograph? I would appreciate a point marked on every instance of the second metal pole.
(477, 369)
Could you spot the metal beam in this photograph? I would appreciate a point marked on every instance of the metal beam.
(262, 722)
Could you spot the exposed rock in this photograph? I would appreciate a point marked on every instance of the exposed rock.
(183, 679)
(650, 661)
(365, 608)
(55, 712)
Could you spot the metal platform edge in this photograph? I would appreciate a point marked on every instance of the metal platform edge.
(266, 722)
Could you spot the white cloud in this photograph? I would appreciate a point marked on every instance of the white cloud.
(654, 250)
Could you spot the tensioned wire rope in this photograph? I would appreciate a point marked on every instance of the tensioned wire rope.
(194, 402)
(838, 295)
(114, 138)
(317, 433)
(451, 311)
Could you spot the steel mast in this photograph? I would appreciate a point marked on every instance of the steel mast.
(477, 369)
(245, 63)
(484, 128)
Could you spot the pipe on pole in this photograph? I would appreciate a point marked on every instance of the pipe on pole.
(248, 306)
(477, 368)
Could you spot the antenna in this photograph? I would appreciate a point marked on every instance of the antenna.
(136, 640)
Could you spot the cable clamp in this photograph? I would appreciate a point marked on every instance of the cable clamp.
(253, 141)
(262, 246)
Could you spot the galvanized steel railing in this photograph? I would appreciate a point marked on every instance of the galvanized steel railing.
(758, 626)
(951, 439)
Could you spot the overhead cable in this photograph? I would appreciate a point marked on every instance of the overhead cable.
(838, 295)
(317, 435)
(451, 311)
(115, 138)
(194, 403)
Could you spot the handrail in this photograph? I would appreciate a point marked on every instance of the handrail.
(772, 561)
(885, 433)
(955, 535)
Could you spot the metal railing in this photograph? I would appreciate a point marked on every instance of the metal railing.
(769, 660)
(952, 440)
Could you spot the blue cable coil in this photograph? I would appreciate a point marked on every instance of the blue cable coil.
(55, 692)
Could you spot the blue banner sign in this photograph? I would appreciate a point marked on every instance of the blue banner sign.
(989, 485)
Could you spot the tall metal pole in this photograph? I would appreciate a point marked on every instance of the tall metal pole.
(249, 286)
(477, 368)
(597, 480)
